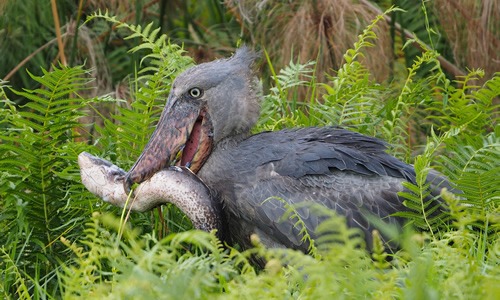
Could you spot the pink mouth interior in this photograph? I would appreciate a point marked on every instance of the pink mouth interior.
(192, 143)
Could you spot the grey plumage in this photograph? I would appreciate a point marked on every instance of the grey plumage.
(221, 80)
(336, 168)
(339, 169)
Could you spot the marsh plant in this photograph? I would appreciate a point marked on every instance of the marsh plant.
(59, 241)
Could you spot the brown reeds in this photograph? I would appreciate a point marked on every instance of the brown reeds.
(320, 30)
(473, 30)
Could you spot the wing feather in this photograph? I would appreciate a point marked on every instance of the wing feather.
(336, 168)
(347, 194)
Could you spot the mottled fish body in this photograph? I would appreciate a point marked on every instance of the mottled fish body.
(176, 185)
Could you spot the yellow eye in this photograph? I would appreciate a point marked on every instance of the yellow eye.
(195, 93)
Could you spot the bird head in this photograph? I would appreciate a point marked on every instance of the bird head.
(207, 103)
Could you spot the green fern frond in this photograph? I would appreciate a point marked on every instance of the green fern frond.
(467, 105)
(3, 84)
(364, 40)
(379, 255)
(241, 260)
(425, 209)
(488, 92)
(352, 99)
(160, 50)
(294, 74)
(406, 106)
(186, 264)
(385, 272)
(333, 233)
(292, 213)
(131, 126)
(282, 106)
(125, 134)
(343, 250)
(11, 274)
(39, 145)
(43, 204)
(474, 167)
(421, 209)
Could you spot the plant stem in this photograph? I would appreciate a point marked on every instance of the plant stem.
(57, 27)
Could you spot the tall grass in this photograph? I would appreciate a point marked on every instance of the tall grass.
(59, 241)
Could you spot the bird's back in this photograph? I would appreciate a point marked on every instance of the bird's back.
(258, 177)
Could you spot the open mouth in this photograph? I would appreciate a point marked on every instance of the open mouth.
(188, 152)
(198, 144)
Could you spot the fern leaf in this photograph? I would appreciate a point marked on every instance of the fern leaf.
(39, 136)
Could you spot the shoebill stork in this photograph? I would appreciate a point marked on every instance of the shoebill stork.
(206, 126)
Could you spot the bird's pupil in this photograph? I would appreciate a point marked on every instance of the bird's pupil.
(195, 92)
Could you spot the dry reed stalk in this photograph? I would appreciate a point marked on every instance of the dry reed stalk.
(473, 29)
(320, 30)
(57, 28)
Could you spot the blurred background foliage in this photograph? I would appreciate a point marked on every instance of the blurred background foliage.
(466, 34)
(111, 97)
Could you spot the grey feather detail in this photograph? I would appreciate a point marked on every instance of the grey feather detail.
(338, 169)
(344, 192)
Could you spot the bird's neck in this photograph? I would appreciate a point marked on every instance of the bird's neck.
(232, 139)
(220, 158)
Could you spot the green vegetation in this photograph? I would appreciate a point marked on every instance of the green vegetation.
(59, 241)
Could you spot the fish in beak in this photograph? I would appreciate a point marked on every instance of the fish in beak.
(183, 136)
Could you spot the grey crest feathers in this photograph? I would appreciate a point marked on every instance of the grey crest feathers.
(224, 83)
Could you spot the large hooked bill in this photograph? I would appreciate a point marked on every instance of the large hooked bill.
(183, 136)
